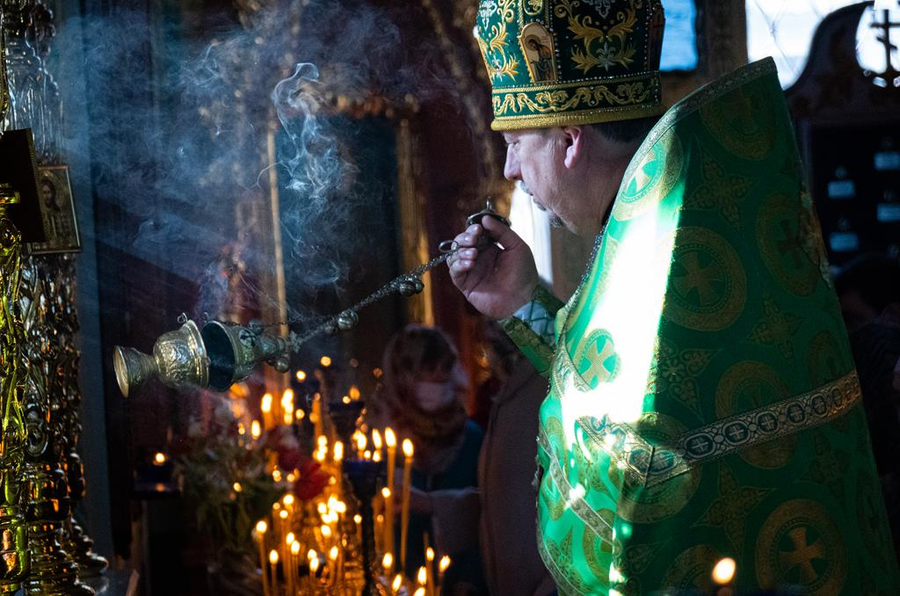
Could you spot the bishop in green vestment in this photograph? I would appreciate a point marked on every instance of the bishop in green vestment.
(704, 403)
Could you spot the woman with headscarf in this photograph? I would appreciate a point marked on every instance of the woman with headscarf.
(423, 399)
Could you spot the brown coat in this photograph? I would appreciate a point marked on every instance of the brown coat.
(504, 510)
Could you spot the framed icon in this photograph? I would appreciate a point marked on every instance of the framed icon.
(57, 212)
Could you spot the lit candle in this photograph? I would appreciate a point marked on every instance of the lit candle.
(287, 406)
(273, 563)
(360, 444)
(387, 563)
(313, 569)
(289, 542)
(419, 592)
(429, 570)
(390, 441)
(395, 586)
(376, 440)
(442, 568)
(301, 375)
(338, 473)
(311, 577)
(266, 407)
(723, 573)
(388, 519)
(283, 526)
(422, 576)
(408, 452)
(333, 564)
(317, 414)
(295, 552)
(261, 527)
(255, 429)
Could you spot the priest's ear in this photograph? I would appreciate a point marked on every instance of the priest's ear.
(575, 138)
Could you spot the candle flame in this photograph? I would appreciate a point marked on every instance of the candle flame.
(289, 539)
(273, 556)
(266, 403)
(310, 555)
(262, 526)
(724, 570)
(301, 375)
(444, 563)
(386, 493)
(276, 475)
(333, 553)
(357, 519)
(255, 429)
(295, 548)
(242, 430)
(420, 591)
(299, 414)
(338, 451)
(376, 456)
(237, 487)
(390, 438)
(325, 361)
(398, 581)
(388, 561)
(314, 565)
(345, 399)
(367, 454)
(354, 392)
(376, 438)
(429, 554)
(288, 500)
(160, 458)
(326, 531)
(408, 449)
(283, 514)
(361, 441)
(422, 576)
(322, 441)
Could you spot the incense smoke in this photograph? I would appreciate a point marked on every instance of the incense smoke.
(182, 149)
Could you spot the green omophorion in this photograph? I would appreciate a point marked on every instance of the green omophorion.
(704, 402)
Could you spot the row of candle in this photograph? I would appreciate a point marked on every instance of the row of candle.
(312, 538)
(426, 584)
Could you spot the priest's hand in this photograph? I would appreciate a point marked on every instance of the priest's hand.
(493, 268)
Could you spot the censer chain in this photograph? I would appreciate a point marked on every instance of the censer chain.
(407, 284)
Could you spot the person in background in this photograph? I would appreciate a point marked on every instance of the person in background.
(869, 291)
(866, 286)
(499, 515)
(423, 399)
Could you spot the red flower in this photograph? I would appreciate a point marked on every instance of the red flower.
(311, 480)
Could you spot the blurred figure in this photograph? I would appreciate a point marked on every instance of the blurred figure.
(869, 291)
(865, 287)
(423, 400)
(506, 474)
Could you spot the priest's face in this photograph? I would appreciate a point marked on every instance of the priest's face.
(534, 158)
(570, 172)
